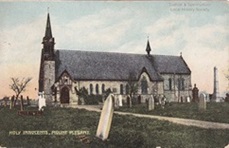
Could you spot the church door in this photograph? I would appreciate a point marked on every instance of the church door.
(64, 95)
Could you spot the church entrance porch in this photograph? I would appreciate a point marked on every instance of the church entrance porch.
(64, 95)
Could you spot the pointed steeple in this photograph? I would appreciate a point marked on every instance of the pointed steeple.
(148, 48)
(48, 41)
(48, 31)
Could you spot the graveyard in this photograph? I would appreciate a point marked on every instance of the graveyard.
(126, 131)
(215, 112)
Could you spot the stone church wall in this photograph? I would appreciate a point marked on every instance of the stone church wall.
(173, 93)
(49, 79)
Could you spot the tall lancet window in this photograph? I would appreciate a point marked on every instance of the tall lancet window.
(97, 88)
(144, 86)
(170, 84)
(91, 89)
(181, 84)
(121, 89)
(127, 89)
(103, 88)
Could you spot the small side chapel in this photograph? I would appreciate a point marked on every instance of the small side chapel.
(62, 72)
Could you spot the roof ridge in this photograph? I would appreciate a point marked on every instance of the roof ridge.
(165, 55)
(111, 52)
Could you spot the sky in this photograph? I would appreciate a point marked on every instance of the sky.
(197, 29)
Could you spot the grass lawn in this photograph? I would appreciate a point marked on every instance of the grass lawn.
(217, 112)
(126, 131)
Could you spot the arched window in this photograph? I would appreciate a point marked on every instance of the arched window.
(91, 89)
(181, 84)
(127, 89)
(97, 88)
(144, 86)
(103, 88)
(170, 84)
(121, 89)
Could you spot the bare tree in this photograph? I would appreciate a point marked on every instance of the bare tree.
(19, 86)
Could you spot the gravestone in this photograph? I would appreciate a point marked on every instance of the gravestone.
(41, 101)
(12, 99)
(151, 103)
(188, 99)
(120, 100)
(139, 99)
(28, 101)
(22, 103)
(106, 118)
(116, 101)
(182, 100)
(129, 101)
(195, 94)
(202, 102)
(163, 102)
(12, 102)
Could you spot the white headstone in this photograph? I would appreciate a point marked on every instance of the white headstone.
(106, 118)
(151, 103)
(188, 99)
(41, 101)
(120, 100)
(202, 102)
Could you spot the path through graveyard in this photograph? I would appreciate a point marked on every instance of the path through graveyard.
(183, 121)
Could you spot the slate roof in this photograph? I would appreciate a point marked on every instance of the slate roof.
(88, 65)
(166, 64)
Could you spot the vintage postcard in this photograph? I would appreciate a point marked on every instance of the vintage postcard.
(114, 74)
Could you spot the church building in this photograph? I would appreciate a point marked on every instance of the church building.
(62, 72)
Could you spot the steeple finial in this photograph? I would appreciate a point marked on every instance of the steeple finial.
(148, 48)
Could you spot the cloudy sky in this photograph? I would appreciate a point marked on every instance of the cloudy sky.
(197, 29)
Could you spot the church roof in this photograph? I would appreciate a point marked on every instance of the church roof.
(88, 65)
(167, 64)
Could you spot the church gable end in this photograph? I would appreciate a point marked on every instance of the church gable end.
(65, 79)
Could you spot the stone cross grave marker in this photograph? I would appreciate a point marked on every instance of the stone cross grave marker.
(41, 101)
(106, 118)
(202, 102)
(150, 103)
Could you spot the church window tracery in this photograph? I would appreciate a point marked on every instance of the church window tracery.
(144, 86)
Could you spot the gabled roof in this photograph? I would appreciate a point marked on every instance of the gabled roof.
(166, 64)
(88, 65)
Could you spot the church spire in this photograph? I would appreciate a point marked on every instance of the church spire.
(48, 31)
(148, 48)
(48, 41)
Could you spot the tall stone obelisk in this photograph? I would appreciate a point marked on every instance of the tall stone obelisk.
(216, 86)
